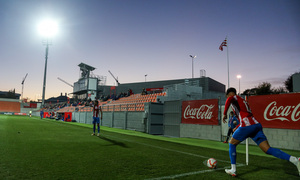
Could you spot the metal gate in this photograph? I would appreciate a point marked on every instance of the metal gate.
(172, 118)
(154, 121)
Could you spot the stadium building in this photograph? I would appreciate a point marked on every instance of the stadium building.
(185, 108)
(9, 94)
(90, 86)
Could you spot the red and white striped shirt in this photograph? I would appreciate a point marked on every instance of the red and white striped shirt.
(96, 110)
(241, 109)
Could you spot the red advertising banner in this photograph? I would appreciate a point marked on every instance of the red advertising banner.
(46, 114)
(68, 116)
(277, 111)
(200, 112)
(20, 114)
(154, 89)
(31, 105)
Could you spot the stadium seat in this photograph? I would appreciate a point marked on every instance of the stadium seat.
(134, 102)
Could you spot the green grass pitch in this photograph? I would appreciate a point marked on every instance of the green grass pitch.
(31, 148)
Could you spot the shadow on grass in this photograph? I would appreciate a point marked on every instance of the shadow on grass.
(114, 142)
(285, 170)
(254, 170)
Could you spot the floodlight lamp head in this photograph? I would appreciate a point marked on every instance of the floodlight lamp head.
(48, 28)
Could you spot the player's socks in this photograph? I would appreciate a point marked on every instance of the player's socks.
(233, 167)
(293, 160)
(297, 163)
(94, 128)
(232, 153)
(278, 153)
(98, 129)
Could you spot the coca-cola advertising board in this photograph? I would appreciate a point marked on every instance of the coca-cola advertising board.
(277, 111)
(200, 112)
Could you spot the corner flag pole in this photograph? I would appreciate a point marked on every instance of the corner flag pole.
(247, 151)
(247, 144)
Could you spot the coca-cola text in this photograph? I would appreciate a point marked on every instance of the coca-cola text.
(283, 113)
(203, 112)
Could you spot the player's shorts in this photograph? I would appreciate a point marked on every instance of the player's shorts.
(255, 132)
(96, 120)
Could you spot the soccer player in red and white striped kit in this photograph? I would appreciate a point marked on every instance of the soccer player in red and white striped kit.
(249, 127)
(96, 110)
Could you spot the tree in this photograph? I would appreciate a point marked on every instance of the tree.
(264, 89)
(279, 90)
(250, 92)
(289, 82)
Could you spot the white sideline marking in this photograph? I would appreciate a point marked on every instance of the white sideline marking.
(167, 149)
(182, 152)
(192, 173)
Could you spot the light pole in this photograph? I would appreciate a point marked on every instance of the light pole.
(239, 78)
(146, 76)
(45, 72)
(47, 29)
(193, 65)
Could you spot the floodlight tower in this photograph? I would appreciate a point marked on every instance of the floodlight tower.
(47, 29)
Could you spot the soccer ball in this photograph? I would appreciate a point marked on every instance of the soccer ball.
(211, 163)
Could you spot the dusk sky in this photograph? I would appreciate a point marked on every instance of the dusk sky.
(132, 38)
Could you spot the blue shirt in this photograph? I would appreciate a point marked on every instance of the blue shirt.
(231, 120)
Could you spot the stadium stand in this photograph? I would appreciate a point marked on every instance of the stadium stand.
(135, 102)
(9, 106)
